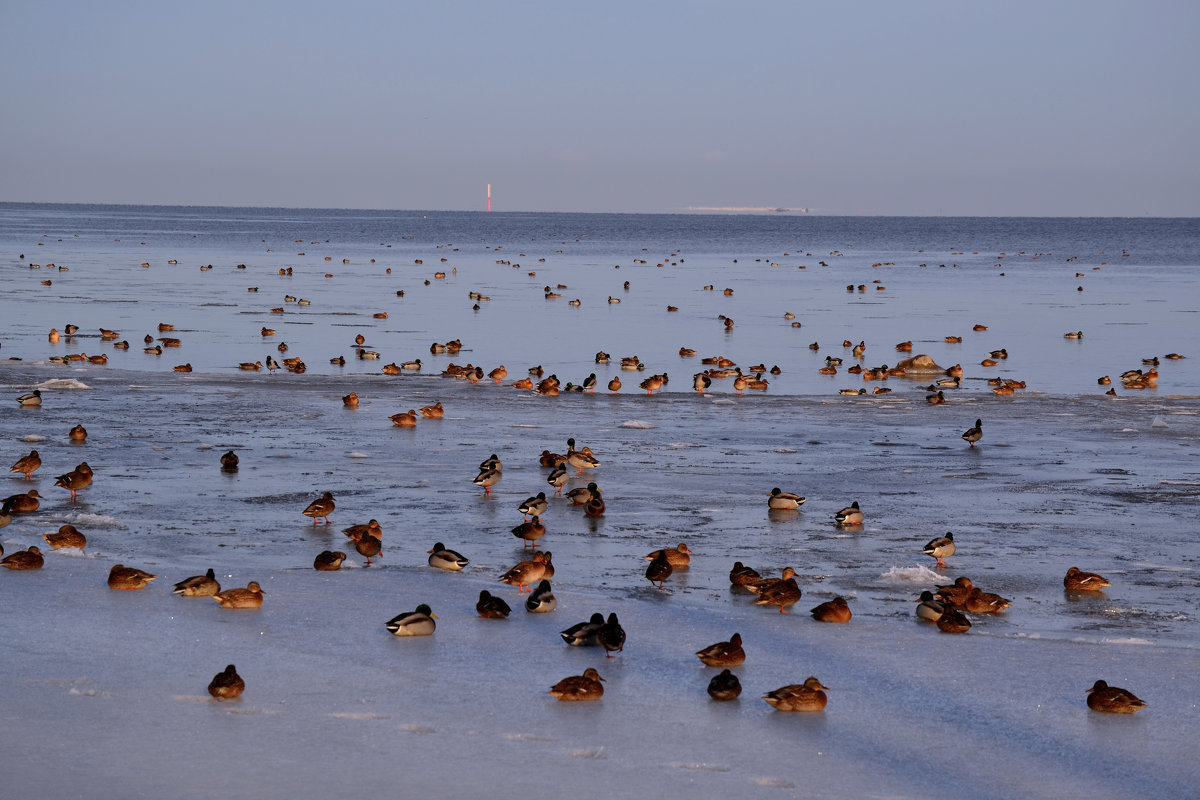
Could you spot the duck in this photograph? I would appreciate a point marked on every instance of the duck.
(785, 593)
(953, 620)
(558, 478)
(659, 570)
(272, 364)
(367, 545)
(653, 383)
(740, 382)
(205, 585)
(418, 622)
(405, 419)
(701, 381)
(582, 495)
(523, 383)
(724, 654)
(679, 557)
(371, 528)
(587, 686)
(930, 608)
(229, 462)
(23, 503)
(27, 464)
(250, 366)
(535, 505)
(67, 536)
(498, 374)
(973, 435)
(329, 560)
(614, 386)
(77, 434)
(611, 636)
(32, 399)
(784, 501)
(76, 480)
(850, 515)
(548, 459)
(1073, 335)
(434, 411)
(323, 506)
(491, 607)
(835, 610)
(807, 696)
(128, 578)
(487, 478)
(5, 519)
(589, 383)
(741, 575)
(1112, 700)
(442, 558)
(980, 602)
(852, 392)
(602, 357)
(525, 573)
(941, 548)
(1077, 580)
(595, 506)
(956, 593)
(541, 600)
(580, 459)
(250, 597)
(948, 383)
(24, 559)
(530, 531)
(724, 686)
(583, 634)
(936, 399)
(227, 685)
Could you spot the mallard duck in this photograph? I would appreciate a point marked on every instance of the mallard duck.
(405, 419)
(595, 506)
(601, 358)
(67, 536)
(941, 548)
(27, 464)
(930, 608)
(579, 687)
(956, 593)
(198, 585)
(581, 496)
(784, 501)
(981, 602)
(580, 459)
(653, 383)
(659, 569)
(536, 505)
(5, 519)
(272, 364)
(852, 392)
(229, 462)
(367, 545)
(807, 696)
(76, 480)
(953, 620)
(442, 558)
(1111, 700)
(77, 434)
(487, 478)
(548, 459)
(530, 531)
(785, 593)
(611, 636)
(491, 607)
(583, 634)
(254, 366)
(498, 374)
(850, 515)
(701, 381)
(250, 597)
(679, 557)
(741, 575)
(32, 399)
(525, 573)
(740, 382)
(1077, 580)
(372, 528)
(558, 478)
(323, 506)
(418, 622)
(24, 559)
(973, 435)
(23, 503)
(724, 654)
(724, 686)
(1073, 335)
(434, 411)
(541, 600)
(227, 685)
(834, 610)
(329, 560)
(948, 383)
(614, 385)
(123, 577)
(936, 399)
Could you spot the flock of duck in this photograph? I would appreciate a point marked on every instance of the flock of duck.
(947, 607)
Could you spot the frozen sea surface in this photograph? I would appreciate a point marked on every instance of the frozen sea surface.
(335, 705)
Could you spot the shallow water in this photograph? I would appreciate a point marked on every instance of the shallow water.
(1063, 477)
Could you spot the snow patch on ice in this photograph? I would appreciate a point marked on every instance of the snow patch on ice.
(356, 454)
(62, 383)
(916, 574)
(33, 437)
(636, 423)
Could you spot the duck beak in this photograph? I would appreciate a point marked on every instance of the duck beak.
(433, 616)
